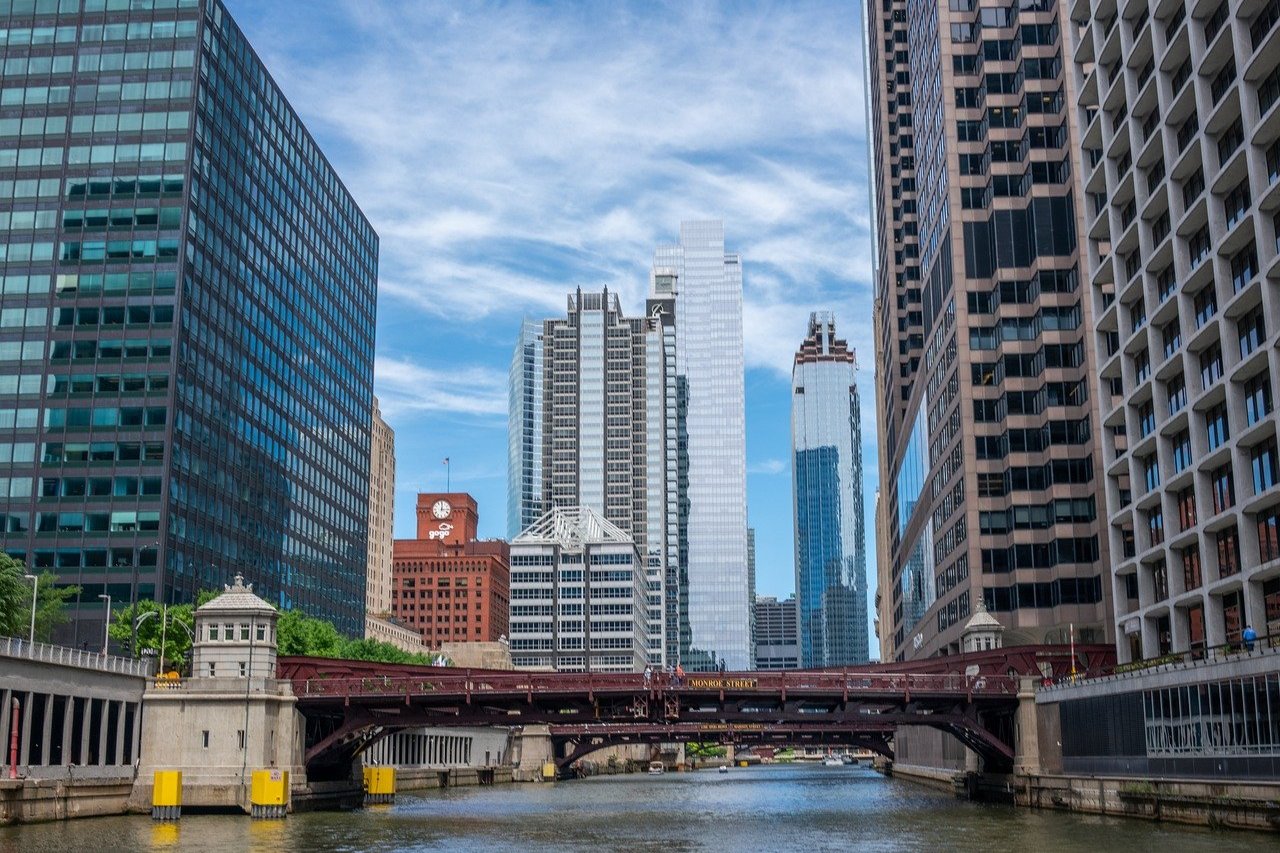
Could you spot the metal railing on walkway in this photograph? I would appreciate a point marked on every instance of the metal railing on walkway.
(1263, 644)
(17, 647)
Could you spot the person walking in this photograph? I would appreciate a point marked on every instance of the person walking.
(679, 675)
(648, 677)
(1249, 636)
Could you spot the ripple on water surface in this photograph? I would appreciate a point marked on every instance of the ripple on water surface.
(797, 807)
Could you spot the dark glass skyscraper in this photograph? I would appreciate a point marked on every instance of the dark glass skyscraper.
(186, 317)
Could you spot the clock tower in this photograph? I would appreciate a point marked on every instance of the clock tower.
(450, 518)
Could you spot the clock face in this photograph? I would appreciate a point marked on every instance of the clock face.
(441, 509)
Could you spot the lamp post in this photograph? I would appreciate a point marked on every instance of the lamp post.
(35, 591)
(106, 622)
(133, 595)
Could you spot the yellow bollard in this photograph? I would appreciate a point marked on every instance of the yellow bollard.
(379, 785)
(269, 794)
(166, 795)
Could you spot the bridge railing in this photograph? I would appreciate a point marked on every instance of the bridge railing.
(17, 647)
(467, 683)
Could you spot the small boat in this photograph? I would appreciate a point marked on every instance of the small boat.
(656, 768)
(832, 761)
(724, 768)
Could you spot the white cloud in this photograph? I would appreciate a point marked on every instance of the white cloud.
(768, 466)
(508, 155)
(405, 387)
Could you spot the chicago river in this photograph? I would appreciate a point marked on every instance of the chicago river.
(778, 807)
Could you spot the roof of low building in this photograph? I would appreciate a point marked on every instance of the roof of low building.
(572, 527)
(238, 597)
(982, 620)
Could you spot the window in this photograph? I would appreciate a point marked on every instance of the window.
(1155, 526)
(1177, 394)
(1217, 429)
(1206, 305)
(1252, 331)
(213, 672)
(239, 738)
(1257, 401)
(1171, 332)
(1224, 488)
(1181, 451)
(204, 736)
(1269, 534)
(1146, 419)
(1244, 266)
(1228, 541)
(1192, 575)
(1210, 365)
(1151, 471)
(1266, 466)
(1187, 508)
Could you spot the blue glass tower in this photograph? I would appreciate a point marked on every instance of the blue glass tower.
(188, 300)
(826, 440)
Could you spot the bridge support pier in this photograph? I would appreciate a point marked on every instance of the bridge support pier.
(1026, 729)
(531, 749)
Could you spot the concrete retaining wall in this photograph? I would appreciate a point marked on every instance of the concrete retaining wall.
(1237, 805)
(33, 800)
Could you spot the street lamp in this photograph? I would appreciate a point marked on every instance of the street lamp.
(133, 595)
(106, 622)
(35, 590)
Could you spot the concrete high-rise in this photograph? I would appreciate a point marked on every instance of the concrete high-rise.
(186, 352)
(578, 596)
(1177, 108)
(524, 430)
(714, 600)
(991, 471)
(777, 646)
(608, 431)
(379, 623)
(826, 448)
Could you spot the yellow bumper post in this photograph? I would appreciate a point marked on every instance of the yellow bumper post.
(166, 795)
(379, 785)
(269, 794)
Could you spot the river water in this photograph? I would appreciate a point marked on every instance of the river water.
(781, 807)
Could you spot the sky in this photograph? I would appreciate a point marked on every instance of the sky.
(509, 153)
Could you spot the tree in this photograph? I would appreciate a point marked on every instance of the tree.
(376, 650)
(15, 601)
(299, 634)
(176, 626)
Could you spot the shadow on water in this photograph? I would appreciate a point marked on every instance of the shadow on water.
(780, 807)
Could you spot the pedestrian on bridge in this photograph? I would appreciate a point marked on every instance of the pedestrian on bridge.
(679, 674)
(648, 677)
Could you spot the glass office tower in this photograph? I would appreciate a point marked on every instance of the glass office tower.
(715, 596)
(831, 544)
(991, 472)
(524, 430)
(188, 301)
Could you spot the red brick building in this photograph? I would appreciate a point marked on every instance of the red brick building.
(446, 584)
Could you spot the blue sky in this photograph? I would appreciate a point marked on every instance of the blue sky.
(508, 153)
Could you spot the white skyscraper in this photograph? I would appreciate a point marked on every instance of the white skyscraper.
(714, 596)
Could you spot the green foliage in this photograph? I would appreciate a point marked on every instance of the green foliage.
(174, 625)
(15, 601)
(704, 750)
(376, 650)
(300, 634)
